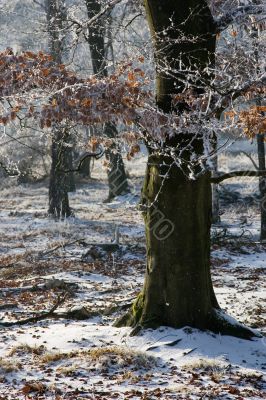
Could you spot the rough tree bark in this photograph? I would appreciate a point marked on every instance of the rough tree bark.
(85, 169)
(117, 178)
(262, 185)
(215, 190)
(177, 211)
(60, 183)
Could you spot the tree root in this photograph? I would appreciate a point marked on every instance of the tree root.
(218, 322)
(132, 317)
(223, 324)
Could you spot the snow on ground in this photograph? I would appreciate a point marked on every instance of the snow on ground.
(62, 357)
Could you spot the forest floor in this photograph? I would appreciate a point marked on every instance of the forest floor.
(75, 352)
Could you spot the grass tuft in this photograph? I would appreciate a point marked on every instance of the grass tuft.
(7, 366)
(24, 348)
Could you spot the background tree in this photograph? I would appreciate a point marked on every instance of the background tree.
(117, 179)
(245, 57)
(259, 53)
(61, 150)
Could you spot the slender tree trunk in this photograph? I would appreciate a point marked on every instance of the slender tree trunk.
(62, 157)
(69, 176)
(59, 181)
(262, 185)
(177, 211)
(85, 169)
(117, 178)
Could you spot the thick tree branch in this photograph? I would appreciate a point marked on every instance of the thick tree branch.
(83, 158)
(233, 174)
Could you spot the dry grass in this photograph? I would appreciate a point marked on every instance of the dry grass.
(210, 365)
(67, 370)
(103, 357)
(7, 366)
(249, 373)
(24, 348)
(50, 357)
(119, 356)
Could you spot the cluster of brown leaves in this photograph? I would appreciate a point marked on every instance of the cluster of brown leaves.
(33, 386)
(34, 85)
(252, 120)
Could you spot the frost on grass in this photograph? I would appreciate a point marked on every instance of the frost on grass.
(104, 357)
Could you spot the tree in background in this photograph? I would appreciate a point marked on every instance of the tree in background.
(245, 57)
(117, 179)
(61, 150)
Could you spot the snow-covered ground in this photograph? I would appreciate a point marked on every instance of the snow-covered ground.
(66, 358)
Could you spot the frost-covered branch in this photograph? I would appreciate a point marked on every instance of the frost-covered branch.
(96, 17)
(238, 15)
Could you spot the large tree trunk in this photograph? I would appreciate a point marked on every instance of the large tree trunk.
(178, 290)
(117, 179)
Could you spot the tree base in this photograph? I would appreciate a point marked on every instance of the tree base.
(62, 216)
(223, 324)
(112, 196)
(218, 322)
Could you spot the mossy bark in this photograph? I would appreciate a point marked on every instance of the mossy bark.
(177, 211)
